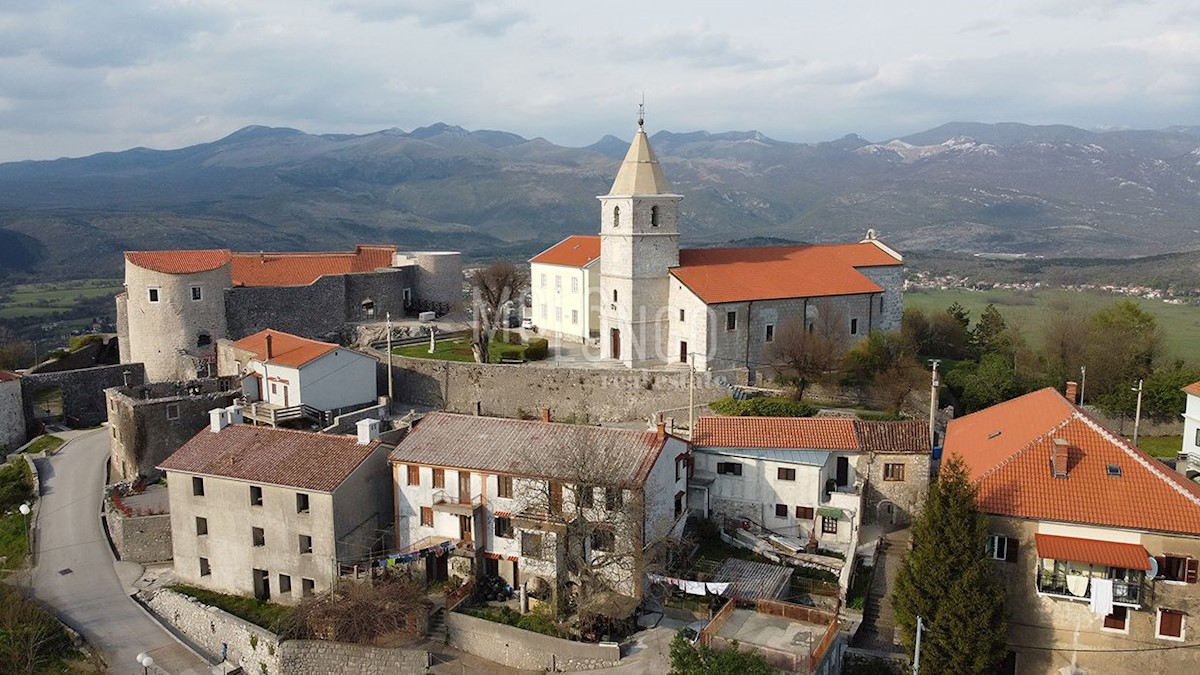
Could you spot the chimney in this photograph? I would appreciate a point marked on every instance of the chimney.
(546, 415)
(1073, 392)
(368, 431)
(660, 430)
(1058, 458)
(234, 413)
(1181, 463)
(218, 419)
(270, 353)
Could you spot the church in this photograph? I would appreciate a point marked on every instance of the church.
(646, 302)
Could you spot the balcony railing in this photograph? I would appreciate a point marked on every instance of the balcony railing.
(1124, 592)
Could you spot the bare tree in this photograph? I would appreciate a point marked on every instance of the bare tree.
(493, 289)
(810, 350)
(362, 613)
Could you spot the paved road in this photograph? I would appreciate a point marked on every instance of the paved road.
(75, 572)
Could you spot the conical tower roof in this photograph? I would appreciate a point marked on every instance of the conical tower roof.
(640, 172)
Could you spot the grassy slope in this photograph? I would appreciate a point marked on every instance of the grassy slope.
(1180, 323)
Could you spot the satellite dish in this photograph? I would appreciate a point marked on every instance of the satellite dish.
(1153, 568)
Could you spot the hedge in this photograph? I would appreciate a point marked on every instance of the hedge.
(537, 349)
(763, 406)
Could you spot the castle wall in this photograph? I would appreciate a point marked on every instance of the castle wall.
(165, 333)
(82, 391)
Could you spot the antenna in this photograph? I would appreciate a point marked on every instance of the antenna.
(642, 111)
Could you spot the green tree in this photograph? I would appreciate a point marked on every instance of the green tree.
(946, 581)
(1124, 344)
(689, 659)
(991, 334)
(959, 314)
(1162, 393)
(886, 366)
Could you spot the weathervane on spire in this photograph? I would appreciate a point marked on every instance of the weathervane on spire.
(642, 111)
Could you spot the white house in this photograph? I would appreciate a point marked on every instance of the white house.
(539, 502)
(1191, 431)
(565, 285)
(722, 307)
(265, 511)
(282, 374)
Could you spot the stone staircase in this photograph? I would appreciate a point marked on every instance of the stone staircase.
(878, 629)
(437, 627)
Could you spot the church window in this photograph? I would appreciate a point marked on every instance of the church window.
(558, 282)
(854, 326)
(543, 280)
(881, 304)
(770, 336)
(614, 295)
(196, 293)
(653, 216)
(616, 216)
(731, 320)
(681, 314)
(153, 294)
(575, 316)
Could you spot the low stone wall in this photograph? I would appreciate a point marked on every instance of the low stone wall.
(141, 539)
(586, 395)
(344, 424)
(260, 652)
(526, 650)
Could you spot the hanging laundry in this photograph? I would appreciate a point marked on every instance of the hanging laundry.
(694, 587)
(717, 588)
(1101, 602)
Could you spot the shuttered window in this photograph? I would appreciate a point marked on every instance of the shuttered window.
(1170, 624)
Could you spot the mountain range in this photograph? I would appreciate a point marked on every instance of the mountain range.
(962, 187)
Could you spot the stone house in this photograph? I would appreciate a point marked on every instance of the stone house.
(12, 411)
(542, 502)
(1096, 543)
(146, 423)
(896, 462)
(270, 512)
(285, 376)
(564, 282)
(721, 307)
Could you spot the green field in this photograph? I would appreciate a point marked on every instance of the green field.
(39, 300)
(1180, 323)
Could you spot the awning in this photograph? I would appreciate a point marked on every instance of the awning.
(830, 512)
(1113, 554)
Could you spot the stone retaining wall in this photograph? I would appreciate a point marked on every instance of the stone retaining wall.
(526, 650)
(318, 657)
(141, 539)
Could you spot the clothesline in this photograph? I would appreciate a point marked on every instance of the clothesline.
(692, 587)
(396, 558)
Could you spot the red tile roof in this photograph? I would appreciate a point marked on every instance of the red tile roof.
(1007, 450)
(574, 251)
(533, 448)
(908, 436)
(298, 459)
(1193, 389)
(179, 262)
(810, 433)
(286, 349)
(1128, 556)
(301, 269)
(718, 275)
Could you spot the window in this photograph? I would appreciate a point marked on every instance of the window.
(201, 526)
(301, 502)
(196, 293)
(307, 587)
(197, 486)
(854, 326)
(543, 280)
(614, 295)
(574, 284)
(504, 486)
(258, 537)
(781, 510)
(828, 525)
(587, 496)
(255, 495)
(543, 310)
(731, 320)
(153, 294)
(613, 498)
(1117, 620)
(1177, 568)
(273, 389)
(770, 335)
(682, 314)
(804, 513)
(439, 478)
(653, 216)
(414, 474)
(504, 527)
(173, 411)
(881, 304)
(531, 544)
(729, 469)
(205, 570)
(285, 583)
(681, 463)
(679, 497)
(893, 472)
(785, 474)
(1198, 438)
(305, 544)
(558, 282)
(575, 317)
(558, 315)
(426, 516)
(1169, 625)
(203, 340)
(1000, 547)
(604, 540)
(616, 216)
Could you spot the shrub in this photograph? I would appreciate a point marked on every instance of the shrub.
(764, 406)
(511, 337)
(538, 349)
(514, 354)
(31, 640)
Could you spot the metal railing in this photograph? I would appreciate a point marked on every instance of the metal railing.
(1056, 584)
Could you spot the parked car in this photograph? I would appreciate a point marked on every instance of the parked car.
(691, 632)
(527, 324)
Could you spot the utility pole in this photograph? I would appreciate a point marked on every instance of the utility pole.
(1137, 417)
(933, 399)
(1082, 382)
(391, 391)
(917, 651)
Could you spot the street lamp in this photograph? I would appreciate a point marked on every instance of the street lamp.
(145, 660)
(24, 509)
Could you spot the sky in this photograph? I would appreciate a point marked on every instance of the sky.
(84, 76)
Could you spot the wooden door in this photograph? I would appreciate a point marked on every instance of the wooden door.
(683, 352)
(615, 339)
(464, 529)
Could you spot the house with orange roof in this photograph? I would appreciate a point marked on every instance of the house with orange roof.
(286, 377)
(1097, 543)
(177, 304)
(717, 308)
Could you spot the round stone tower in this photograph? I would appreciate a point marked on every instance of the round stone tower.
(439, 279)
(173, 310)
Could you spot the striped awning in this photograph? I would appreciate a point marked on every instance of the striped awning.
(1092, 551)
(830, 512)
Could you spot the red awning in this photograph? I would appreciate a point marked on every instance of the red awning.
(1128, 556)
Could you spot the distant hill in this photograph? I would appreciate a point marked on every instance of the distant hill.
(962, 187)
